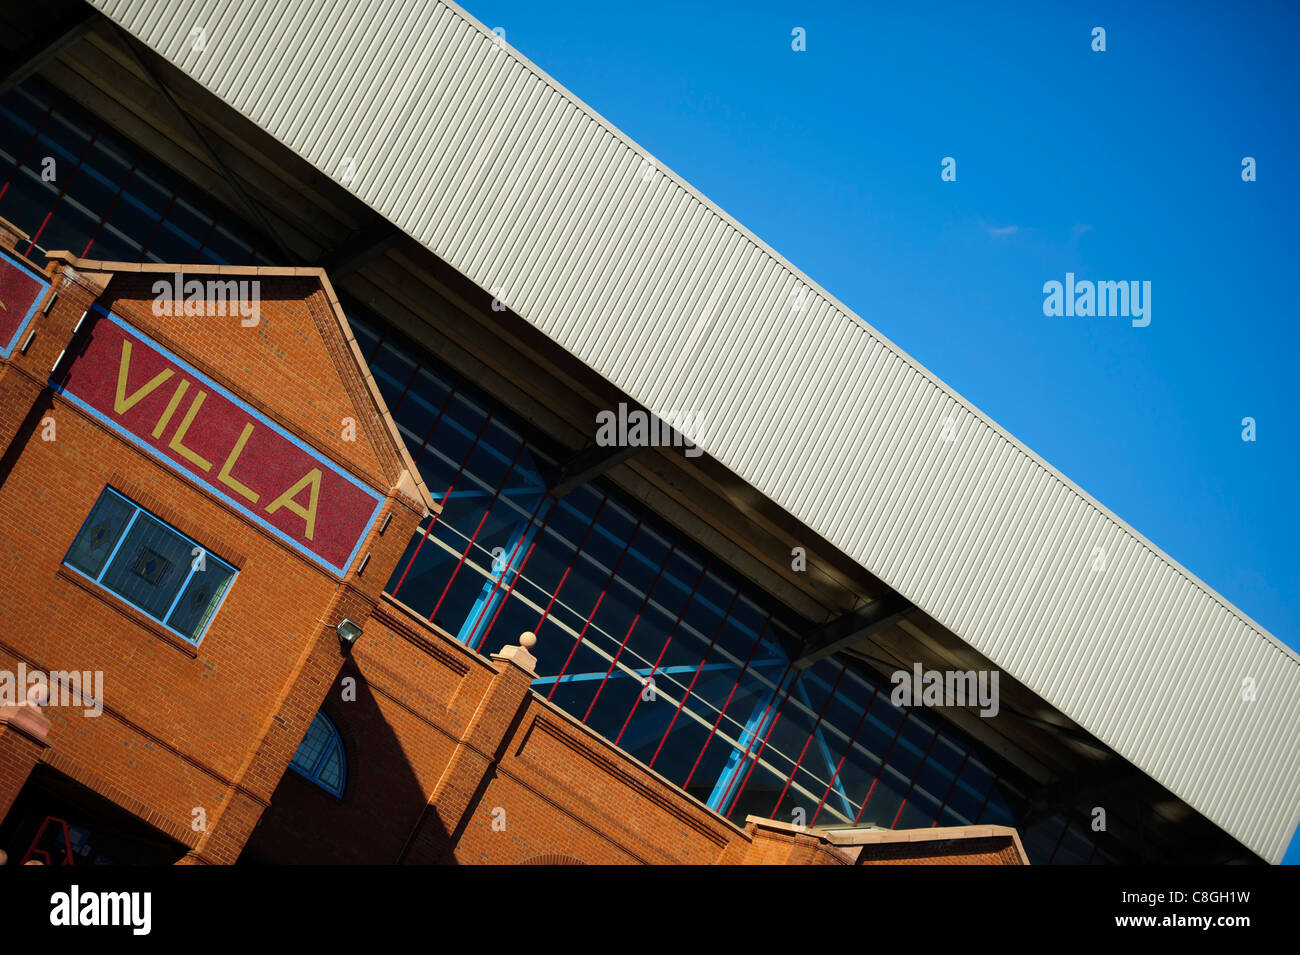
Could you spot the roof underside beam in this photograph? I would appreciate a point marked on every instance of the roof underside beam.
(590, 462)
(1067, 732)
(850, 628)
(362, 247)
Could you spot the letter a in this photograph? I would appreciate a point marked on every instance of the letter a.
(308, 513)
(1052, 305)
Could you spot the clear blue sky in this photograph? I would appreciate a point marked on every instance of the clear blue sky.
(1117, 165)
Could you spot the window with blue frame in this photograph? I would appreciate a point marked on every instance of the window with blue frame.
(152, 566)
(320, 757)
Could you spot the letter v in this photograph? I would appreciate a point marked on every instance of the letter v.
(122, 403)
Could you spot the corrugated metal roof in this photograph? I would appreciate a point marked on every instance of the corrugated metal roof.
(500, 171)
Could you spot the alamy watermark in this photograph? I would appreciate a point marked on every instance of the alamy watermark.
(67, 688)
(91, 907)
(918, 687)
(1102, 299)
(635, 428)
(198, 298)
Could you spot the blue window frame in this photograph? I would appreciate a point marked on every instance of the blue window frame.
(320, 757)
(155, 568)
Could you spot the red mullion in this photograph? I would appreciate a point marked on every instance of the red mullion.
(862, 721)
(912, 782)
(518, 576)
(636, 699)
(396, 405)
(907, 715)
(722, 711)
(407, 569)
(405, 390)
(90, 144)
(731, 803)
(645, 602)
(496, 585)
(565, 576)
(442, 410)
(434, 519)
(592, 616)
(948, 795)
(704, 569)
(473, 538)
(383, 337)
(808, 742)
(577, 550)
(987, 796)
(203, 243)
(18, 164)
(171, 203)
(113, 205)
(699, 668)
(446, 403)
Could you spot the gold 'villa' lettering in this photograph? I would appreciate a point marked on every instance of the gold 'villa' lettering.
(122, 403)
(226, 478)
(308, 513)
(183, 428)
(170, 410)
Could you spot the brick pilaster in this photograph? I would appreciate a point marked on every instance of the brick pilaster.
(458, 791)
(230, 828)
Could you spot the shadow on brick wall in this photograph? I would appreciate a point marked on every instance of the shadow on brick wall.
(383, 800)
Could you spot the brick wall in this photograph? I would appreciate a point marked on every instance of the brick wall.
(453, 759)
(998, 850)
(211, 727)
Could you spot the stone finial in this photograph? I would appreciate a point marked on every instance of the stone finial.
(520, 655)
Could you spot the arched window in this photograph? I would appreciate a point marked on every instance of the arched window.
(320, 756)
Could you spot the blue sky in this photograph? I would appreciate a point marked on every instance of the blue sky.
(1117, 165)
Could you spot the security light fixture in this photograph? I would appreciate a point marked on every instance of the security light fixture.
(348, 631)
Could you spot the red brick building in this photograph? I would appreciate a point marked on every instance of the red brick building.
(143, 428)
